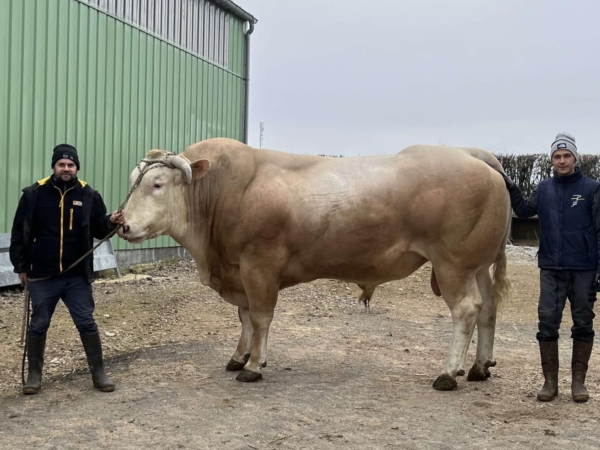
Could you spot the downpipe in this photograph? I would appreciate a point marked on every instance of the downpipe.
(247, 80)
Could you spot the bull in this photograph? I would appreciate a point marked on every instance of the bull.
(259, 221)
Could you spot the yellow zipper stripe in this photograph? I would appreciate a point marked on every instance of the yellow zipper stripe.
(62, 216)
(71, 221)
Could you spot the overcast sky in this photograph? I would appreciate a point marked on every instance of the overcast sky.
(362, 78)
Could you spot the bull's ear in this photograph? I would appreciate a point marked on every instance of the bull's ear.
(199, 168)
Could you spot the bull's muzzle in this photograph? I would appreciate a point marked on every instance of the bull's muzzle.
(123, 231)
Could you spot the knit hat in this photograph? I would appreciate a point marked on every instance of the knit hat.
(65, 151)
(564, 141)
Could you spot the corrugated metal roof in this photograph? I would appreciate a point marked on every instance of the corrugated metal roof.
(201, 27)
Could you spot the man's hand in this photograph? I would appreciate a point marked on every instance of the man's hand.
(596, 283)
(23, 278)
(117, 217)
(510, 184)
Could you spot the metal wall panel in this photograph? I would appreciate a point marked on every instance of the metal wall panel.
(72, 73)
(198, 26)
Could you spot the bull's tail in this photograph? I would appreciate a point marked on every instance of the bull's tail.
(501, 287)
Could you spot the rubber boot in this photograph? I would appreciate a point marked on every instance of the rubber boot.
(579, 366)
(93, 351)
(36, 346)
(549, 356)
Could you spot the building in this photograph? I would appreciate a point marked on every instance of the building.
(116, 78)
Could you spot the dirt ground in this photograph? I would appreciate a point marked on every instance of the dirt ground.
(337, 376)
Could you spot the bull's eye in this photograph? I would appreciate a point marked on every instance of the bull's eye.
(157, 186)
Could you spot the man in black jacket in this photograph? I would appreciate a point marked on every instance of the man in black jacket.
(568, 207)
(55, 224)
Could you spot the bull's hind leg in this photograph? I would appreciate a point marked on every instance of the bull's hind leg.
(242, 352)
(462, 297)
(486, 328)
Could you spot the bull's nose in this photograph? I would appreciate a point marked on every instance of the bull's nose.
(125, 228)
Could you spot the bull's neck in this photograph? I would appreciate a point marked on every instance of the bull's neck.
(191, 224)
(196, 241)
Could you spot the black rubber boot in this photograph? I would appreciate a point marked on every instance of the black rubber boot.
(549, 355)
(36, 346)
(93, 351)
(579, 366)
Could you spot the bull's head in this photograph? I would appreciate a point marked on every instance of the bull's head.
(157, 205)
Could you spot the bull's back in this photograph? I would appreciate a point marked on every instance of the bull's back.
(417, 179)
(376, 209)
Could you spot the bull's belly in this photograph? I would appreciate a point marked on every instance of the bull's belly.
(358, 270)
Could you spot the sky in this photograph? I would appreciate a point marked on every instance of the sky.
(348, 77)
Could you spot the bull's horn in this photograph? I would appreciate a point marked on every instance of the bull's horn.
(178, 162)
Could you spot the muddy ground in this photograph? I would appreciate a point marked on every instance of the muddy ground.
(337, 376)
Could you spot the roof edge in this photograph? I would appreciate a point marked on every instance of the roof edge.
(235, 9)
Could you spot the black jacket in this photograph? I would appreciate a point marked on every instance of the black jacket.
(568, 208)
(54, 225)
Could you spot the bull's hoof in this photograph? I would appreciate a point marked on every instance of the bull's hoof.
(444, 383)
(234, 366)
(490, 363)
(460, 373)
(478, 374)
(249, 376)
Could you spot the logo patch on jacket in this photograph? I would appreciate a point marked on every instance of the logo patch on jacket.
(576, 198)
(77, 203)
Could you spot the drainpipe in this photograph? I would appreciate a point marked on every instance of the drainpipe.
(230, 6)
(247, 81)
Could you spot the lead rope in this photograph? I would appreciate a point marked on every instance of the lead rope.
(150, 164)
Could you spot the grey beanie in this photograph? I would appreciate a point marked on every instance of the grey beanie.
(564, 141)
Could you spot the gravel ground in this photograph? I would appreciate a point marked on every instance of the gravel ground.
(337, 376)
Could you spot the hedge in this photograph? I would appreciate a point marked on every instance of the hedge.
(528, 170)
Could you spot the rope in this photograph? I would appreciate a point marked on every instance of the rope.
(24, 336)
(150, 164)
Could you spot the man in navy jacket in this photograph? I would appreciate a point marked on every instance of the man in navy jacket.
(568, 209)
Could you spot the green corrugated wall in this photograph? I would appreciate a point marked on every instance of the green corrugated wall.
(70, 73)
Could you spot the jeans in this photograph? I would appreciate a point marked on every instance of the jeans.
(75, 292)
(555, 287)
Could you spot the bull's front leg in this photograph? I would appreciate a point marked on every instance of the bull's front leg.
(262, 291)
(242, 352)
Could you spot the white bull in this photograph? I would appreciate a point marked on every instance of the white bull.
(258, 221)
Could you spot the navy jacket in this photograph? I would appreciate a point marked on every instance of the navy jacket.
(568, 208)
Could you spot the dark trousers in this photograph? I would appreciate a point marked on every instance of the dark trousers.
(555, 287)
(75, 292)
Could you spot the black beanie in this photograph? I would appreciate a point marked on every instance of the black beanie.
(65, 151)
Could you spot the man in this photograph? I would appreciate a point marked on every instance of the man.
(54, 225)
(568, 209)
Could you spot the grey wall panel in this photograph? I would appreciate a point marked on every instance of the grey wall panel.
(199, 26)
